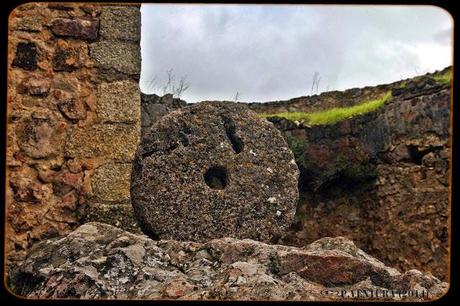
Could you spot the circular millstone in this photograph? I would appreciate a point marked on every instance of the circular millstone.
(212, 170)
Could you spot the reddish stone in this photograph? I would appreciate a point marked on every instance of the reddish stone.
(335, 269)
(66, 182)
(91, 102)
(177, 288)
(69, 200)
(19, 156)
(26, 187)
(78, 28)
(71, 107)
(35, 86)
(72, 179)
(411, 116)
(40, 137)
(401, 152)
(65, 58)
(330, 267)
(61, 127)
(78, 165)
(64, 209)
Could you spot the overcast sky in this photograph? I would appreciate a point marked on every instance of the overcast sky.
(271, 52)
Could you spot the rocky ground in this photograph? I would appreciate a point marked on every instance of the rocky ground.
(104, 262)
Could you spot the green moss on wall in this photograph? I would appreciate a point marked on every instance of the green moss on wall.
(298, 148)
(443, 78)
(333, 115)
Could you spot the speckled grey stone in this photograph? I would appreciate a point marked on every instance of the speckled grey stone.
(211, 170)
(121, 22)
(111, 141)
(119, 56)
(110, 182)
(119, 102)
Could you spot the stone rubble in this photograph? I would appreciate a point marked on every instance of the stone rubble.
(99, 261)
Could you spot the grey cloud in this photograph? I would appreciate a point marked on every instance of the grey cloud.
(443, 36)
(270, 52)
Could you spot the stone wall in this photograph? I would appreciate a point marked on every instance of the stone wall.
(381, 179)
(73, 118)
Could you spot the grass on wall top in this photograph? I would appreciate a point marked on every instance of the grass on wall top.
(443, 78)
(333, 115)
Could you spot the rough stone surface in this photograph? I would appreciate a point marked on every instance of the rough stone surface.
(67, 57)
(70, 106)
(26, 56)
(121, 23)
(378, 176)
(119, 215)
(30, 24)
(119, 102)
(41, 134)
(120, 56)
(399, 214)
(113, 141)
(52, 100)
(110, 182)
(35, 86)
(78, 28)
(153, 107)
(211, 170)
(98, 261)
(61, 6)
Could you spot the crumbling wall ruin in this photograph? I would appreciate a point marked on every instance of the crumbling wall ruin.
(381, 179)
(75, 117)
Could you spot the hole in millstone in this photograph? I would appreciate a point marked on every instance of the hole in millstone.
(230, 129)
(216, 177)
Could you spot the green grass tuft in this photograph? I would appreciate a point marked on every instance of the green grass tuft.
(443, 78)
(403, 84)
(333, 115)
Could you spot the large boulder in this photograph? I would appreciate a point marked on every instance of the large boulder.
(211, 170)
(99, 261)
